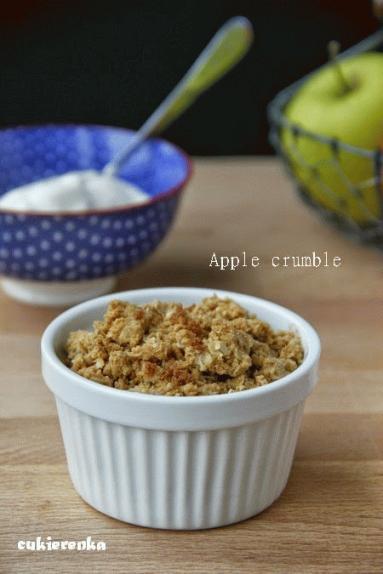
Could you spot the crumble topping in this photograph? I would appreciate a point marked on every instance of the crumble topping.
(209, 348)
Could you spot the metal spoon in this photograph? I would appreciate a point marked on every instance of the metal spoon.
(225, 49)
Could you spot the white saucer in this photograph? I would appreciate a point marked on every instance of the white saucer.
(54, 294)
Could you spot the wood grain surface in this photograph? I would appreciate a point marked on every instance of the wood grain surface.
(329, 519)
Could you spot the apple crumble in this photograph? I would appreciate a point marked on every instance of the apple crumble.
(212, 347)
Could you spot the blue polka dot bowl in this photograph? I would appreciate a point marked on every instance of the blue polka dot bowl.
(64, 258)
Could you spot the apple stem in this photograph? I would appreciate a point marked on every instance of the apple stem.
(378, 8)
(333, 48)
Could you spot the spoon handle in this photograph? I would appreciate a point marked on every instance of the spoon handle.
(225, 49)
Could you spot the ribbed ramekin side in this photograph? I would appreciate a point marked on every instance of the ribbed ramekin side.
(179, 479)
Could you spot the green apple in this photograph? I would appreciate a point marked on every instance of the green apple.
(350, 111)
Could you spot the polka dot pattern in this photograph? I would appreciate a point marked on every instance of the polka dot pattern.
(79, 247)
(85, 249)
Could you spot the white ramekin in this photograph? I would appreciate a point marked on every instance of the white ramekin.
(178, 462)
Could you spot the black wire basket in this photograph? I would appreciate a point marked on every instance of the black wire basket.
(333, 207)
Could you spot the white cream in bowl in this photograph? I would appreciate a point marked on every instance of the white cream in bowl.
(73, 191)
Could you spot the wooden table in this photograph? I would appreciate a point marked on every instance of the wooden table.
(329, 519)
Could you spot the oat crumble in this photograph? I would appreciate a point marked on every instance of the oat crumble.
(209, 348)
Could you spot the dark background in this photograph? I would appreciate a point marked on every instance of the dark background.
(112, 62)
